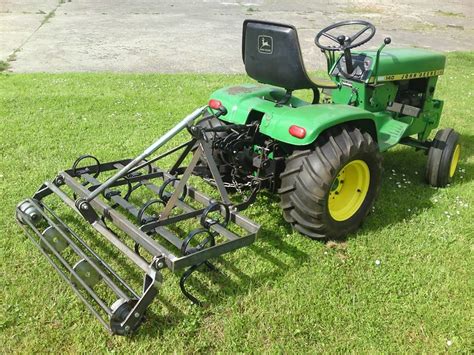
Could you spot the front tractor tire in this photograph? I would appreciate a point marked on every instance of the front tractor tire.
(443, 158)
(328, 191)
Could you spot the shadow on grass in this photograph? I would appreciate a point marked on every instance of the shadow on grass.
(404, 167)
(396, 203)
(270, 245)
(231, 280)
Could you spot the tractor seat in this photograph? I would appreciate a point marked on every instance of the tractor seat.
(272, 55)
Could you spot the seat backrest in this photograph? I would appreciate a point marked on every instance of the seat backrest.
(272, 55)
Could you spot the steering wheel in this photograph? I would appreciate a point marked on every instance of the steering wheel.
(345, 42)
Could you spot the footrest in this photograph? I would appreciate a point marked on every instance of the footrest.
(115, 304)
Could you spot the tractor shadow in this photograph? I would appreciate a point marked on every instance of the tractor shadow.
(403, 167)
(405, 192)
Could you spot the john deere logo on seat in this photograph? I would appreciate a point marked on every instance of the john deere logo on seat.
(265, 44)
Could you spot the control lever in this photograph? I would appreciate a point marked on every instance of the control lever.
(386, 41)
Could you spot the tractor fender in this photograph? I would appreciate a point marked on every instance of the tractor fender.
(253, 101)
(315, 119)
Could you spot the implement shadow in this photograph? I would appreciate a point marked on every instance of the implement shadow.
(403, 166)
(232, 279)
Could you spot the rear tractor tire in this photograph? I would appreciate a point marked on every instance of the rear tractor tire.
(328, 191)
(443, 157)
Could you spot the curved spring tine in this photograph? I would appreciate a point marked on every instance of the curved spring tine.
(141, 213)
(182, 282)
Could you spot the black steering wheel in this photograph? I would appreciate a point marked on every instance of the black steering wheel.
(345, 42)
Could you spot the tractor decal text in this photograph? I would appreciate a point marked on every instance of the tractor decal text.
(407, 76)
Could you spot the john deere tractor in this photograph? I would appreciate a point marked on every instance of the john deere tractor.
(323, 158)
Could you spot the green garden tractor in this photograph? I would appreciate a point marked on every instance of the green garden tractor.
(323, 158)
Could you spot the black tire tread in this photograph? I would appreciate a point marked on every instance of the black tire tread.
(440, 156)
(309, 173)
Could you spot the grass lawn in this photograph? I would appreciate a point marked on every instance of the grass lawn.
(284, 293)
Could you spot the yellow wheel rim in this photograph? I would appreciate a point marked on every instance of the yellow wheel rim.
(348, 190)
(454, 160)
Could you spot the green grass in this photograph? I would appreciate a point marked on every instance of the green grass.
(285, 293)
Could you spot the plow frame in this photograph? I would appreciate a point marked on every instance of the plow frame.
(97, 203)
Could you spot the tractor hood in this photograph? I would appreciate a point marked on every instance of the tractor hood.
(406, 63)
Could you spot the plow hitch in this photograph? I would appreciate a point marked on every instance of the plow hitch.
(137, 213)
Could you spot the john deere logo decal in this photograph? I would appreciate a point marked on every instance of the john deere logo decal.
(265, 44)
